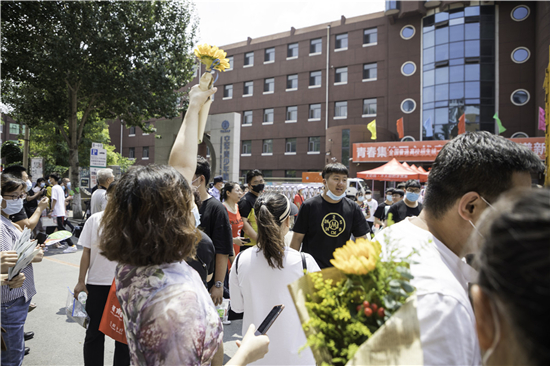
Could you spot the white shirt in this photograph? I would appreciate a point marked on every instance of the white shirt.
(445, 314)
(101, 271)
(99, 201)
(373, 205)
(257, 288)
(59, 196)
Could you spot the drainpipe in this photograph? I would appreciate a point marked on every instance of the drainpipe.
(327, 75)
(121, 133)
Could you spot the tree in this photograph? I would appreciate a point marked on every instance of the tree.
(68, 63)
(11, 151)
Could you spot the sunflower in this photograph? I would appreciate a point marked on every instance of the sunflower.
(208, 54)
(357, 258)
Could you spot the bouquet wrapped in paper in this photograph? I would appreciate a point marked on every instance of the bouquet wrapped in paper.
(214, 59)
(362, 311)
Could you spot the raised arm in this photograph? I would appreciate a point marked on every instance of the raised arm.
(183, 156)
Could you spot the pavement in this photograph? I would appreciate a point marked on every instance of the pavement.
(58, 340)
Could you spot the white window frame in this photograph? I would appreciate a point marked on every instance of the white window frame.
(286, 115)
(297, 51)
(315, 53)
(372, 43)
(370, 115)
(336, 73)
(265, 53)
(309, 118)
(252, 64)
(341, 48)
(337, 108)
(244, 87)
(231, 97)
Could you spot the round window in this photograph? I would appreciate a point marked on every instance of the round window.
(520, 12)
(520, 55)
(520, 97)
(408, 68)
(408, 106)
(407, 32)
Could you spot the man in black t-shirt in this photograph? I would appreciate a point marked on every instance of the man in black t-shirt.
(255, 181)
(326, 222)
(383, 208)
(409, 206)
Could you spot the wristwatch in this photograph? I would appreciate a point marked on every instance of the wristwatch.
(218, 284)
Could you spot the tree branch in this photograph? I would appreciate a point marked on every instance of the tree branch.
(63, 133)
(85, 117)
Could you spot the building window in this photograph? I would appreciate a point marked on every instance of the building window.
(341, 109)
(341, 75)
(370, 36)
(14, 128)
(145, 153)
(269, 55)
(520, 12)
(292, 82)
(269, 85)
(369, 107)
(247, 117)
(290, 146)
(370, 71)
(268, 116)
(315, 46)
(315, 78)
(249, 59)
(408, 106)
(290, 173)
(228, 91)
(520, 55)
(132, 153)
(341, 42)
(408, 68)
(407, 32)
(292, 50)
(267, 147)
(345, 147)
(520, 97)
(314, 145)
(230, 59)
(132, 131)
(248, 88)
(246, 147)
(147, 125)
(314, 112)
(267, 173)
(291, 114)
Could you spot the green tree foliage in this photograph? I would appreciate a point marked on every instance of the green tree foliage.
(11, 151)
(69, 63)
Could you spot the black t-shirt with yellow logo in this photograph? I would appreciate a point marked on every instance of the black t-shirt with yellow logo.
(328, 226)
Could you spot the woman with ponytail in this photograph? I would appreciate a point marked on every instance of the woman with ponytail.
(259, 278)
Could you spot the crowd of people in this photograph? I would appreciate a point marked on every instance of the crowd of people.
(176, 248)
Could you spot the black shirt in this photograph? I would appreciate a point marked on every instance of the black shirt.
(246, 204)
(205, 260)
(21, 215)
(215, 224)
(328, 226)
(400, 210)
(381, 211)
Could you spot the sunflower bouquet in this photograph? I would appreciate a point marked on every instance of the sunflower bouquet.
(360, 311)
(215, 60)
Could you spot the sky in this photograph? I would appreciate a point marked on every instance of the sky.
(226, 22)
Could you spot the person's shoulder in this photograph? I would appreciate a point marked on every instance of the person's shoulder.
(315, 200)
(205, 239)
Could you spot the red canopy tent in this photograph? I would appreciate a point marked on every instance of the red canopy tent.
(392, 171)
(421, 173)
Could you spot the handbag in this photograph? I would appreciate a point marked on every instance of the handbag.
(112, 323)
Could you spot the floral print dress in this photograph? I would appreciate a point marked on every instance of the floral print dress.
(169, 317)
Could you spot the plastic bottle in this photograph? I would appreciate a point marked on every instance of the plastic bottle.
(82, 297)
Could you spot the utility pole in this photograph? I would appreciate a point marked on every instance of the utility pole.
(26, 148)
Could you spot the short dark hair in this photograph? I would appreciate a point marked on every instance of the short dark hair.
(335, 168)
(513, 265)
(475, 161)
(11, 183)
(401, 186)
(15, 170)
(55, 177)
(158, 198)
(40, 180)
(253, 173)
(413, 183)
(203, 168)
(390, 190)
(399, 192)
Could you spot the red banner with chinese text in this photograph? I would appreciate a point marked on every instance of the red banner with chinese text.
(423, 151)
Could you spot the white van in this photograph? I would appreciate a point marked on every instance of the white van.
(356, 185)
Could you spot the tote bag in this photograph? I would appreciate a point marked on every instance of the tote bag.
(112, 324)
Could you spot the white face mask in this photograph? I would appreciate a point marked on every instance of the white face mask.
(361, 198)
(29, 186)
(13, 206)
(197, 216)
(369, 196)
(335, 197)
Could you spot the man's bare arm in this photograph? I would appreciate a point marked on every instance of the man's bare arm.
(249, 230)
(296, 240)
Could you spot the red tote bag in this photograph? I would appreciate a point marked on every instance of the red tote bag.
(112, 324)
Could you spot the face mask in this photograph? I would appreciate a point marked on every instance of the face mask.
(29, 186)
(361, 198)
(13, 206)
(491, 349)
(413, 197)
(389, 198)
(42, 185)
(69, 186)
(197, 215)
(369, 196)
(258, 187)
(193, 186)
(334, 197)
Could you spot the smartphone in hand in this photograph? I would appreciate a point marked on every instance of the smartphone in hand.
(269, 320)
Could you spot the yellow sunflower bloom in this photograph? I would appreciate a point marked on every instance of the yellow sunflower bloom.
(357, 258)
(207, 54)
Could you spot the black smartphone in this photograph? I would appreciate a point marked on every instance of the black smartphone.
(246, 240)
(269, 320)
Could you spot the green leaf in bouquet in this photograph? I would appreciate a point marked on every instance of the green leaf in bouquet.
(407, 286)
(395, 284)
(398, 291)
(390, 302)
(404, 272)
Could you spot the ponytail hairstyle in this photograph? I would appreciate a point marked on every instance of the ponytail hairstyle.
(228, 187)
(271, 210)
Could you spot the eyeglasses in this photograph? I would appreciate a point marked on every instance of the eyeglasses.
(14, 197)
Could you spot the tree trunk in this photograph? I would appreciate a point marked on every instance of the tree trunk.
(73, 156)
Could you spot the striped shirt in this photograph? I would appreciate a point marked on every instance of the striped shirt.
(8, 236)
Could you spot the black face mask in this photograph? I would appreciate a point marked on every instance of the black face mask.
(258, 187)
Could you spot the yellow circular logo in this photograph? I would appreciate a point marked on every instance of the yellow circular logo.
(333, 224)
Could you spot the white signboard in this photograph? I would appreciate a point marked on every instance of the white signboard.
(93, 176)
(37, 165)
(97, 145)
(98, 158)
